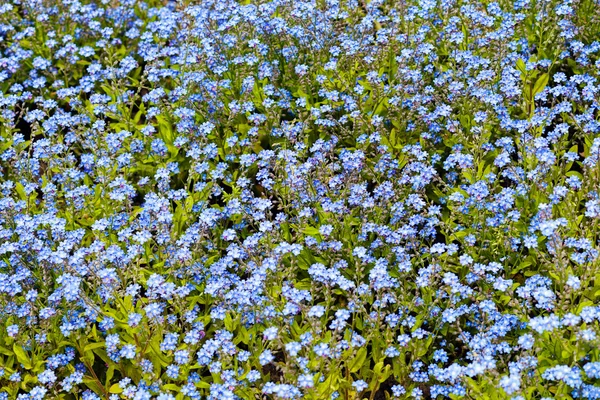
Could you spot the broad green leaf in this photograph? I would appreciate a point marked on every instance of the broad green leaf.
(22, 357)
(540, 84)
(359, 359)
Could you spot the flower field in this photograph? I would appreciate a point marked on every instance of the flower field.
(299, 199)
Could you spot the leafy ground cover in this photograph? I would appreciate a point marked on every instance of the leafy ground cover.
(299, 199)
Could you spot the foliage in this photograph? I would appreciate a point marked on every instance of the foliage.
(309, 199)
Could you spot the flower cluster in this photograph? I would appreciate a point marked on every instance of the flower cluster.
(285, 199)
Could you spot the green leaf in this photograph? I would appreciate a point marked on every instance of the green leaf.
(93, 346)
(311, 231)
(359, 360)
(521, 66)
(92, 384)
(22, 357)
(116, 388)
(540, 84)
(109, 374)
(387, 371)
(328, 386)
(230, 323)
(5, 351)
